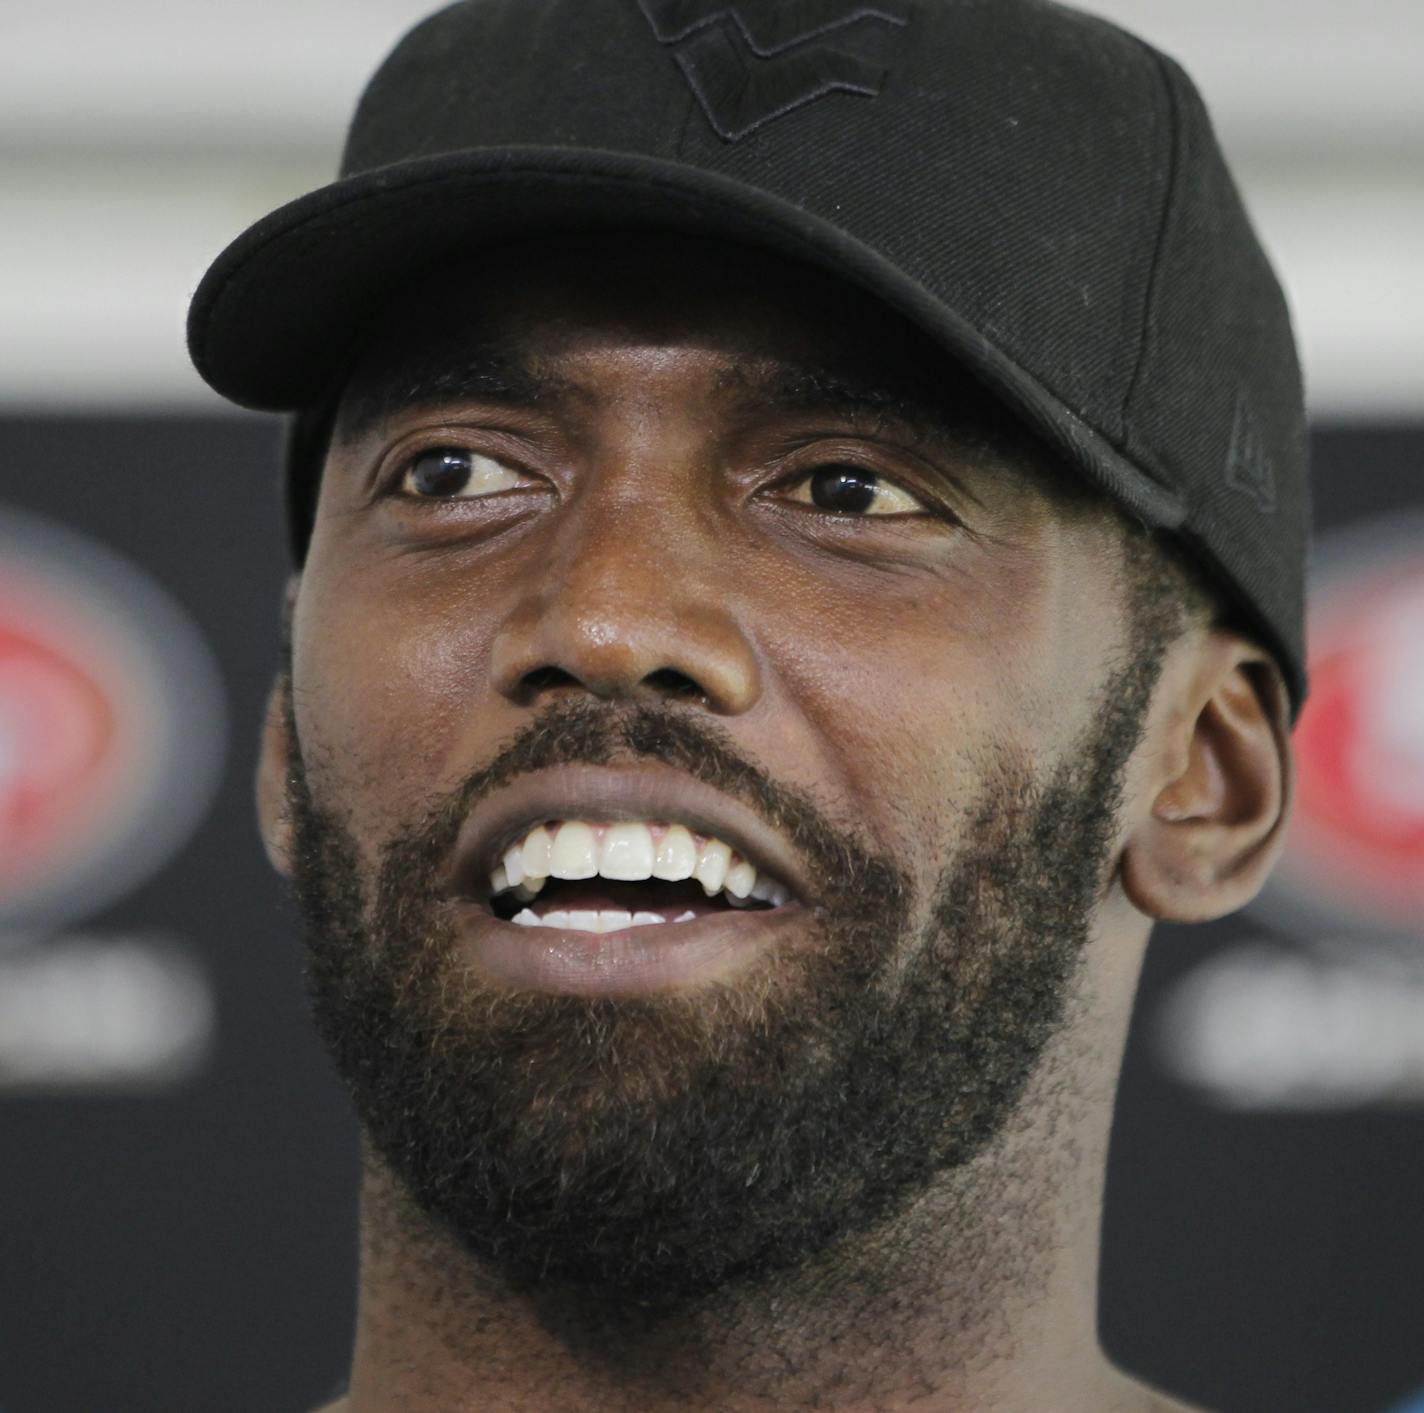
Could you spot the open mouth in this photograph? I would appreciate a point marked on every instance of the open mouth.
(603, 877)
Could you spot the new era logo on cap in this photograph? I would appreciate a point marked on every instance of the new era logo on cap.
(1248, 464)
(749, 61)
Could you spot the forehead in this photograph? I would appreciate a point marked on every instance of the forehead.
(540, 307)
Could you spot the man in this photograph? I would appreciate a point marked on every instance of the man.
(798, 515)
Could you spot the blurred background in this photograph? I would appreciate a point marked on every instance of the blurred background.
(177, 1197)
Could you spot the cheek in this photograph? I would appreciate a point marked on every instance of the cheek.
(386, 675)
(919, 690)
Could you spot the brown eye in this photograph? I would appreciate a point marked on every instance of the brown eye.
(852, 490)
(455, 473)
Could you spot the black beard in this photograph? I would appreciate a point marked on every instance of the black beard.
(641, 1154)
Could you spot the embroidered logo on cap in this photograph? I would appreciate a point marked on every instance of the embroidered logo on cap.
(749, 61)
(1249, 468)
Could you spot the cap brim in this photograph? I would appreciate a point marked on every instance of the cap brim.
(282, 306)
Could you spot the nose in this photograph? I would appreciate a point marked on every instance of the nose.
(631, 600)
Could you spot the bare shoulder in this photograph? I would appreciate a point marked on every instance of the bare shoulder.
(1158, 1402)
(1135, 1396)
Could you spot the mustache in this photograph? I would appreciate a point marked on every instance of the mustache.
(590, 731)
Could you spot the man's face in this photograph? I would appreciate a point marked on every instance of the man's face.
(664, 531)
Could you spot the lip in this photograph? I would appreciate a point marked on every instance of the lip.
(634, 961)
(599, 793)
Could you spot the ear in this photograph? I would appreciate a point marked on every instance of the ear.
(274, 756)
(273, 821)
(1219, 780)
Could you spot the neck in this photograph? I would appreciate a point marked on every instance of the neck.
(982, 1296)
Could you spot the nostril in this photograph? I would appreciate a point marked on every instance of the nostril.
(544, 677)
(668, 681)
(675, 683)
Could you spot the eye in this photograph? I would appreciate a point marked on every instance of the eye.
(852, 490)
(454, 473)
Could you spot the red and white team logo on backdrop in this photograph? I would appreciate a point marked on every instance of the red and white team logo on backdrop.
(1356, 842)
(111, 725)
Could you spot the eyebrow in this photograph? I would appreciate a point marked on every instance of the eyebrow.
(487, 372)
(956, 413)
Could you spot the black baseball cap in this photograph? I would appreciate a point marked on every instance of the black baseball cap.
(1037, 189)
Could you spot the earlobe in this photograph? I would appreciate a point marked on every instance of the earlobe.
(273, 819)
(1216, 808)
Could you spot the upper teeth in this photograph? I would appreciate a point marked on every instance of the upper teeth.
(629, 850)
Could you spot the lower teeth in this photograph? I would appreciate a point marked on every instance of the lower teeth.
(602, 921)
